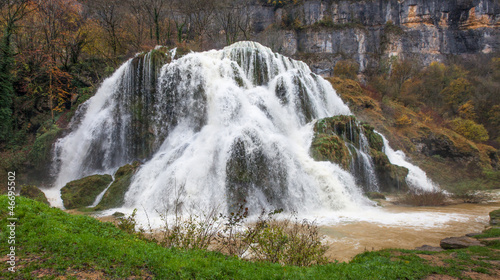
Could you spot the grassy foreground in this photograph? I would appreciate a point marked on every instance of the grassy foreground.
(51, 243)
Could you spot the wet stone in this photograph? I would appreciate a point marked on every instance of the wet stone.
(459, 242)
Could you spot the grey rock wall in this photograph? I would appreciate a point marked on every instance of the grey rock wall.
(368, 31)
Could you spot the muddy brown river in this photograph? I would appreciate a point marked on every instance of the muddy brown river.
(405, 227)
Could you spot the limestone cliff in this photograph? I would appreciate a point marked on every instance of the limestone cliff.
(325, 31)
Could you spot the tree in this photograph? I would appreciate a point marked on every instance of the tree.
(200, 16)
(12, 12)
(457, 93)
(63, 24)
(470, 129)
(401, 71)
(156, 11)
(110, 15)
(137, 22)
(233, 18)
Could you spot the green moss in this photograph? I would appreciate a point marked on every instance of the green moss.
(83, 192)
(345, 126)
(391, 177)
(115, 195)
(495, 217)
(34, 193)
(332, 148)
(375, 140)
(39, 155)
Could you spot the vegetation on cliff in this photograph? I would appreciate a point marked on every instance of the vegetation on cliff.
(443, 116)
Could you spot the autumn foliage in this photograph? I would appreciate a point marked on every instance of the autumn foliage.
(461, 94)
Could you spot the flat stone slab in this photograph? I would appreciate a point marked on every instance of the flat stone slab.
(473, 234)
(459, 242)
(429, 248)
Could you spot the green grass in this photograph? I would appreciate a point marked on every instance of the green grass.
(52, 240)
(492, 232)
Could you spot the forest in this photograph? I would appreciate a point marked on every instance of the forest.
(56, 53)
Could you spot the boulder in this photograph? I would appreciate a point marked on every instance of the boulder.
(472, 234)
(34, 193)
(392, 178)
(331, 148)
(459, 242)
(115, 195)
(495, 218)
(338, 139)
(83, 192)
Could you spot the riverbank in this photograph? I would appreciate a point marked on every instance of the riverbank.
(52, 244)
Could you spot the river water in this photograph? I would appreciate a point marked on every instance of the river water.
(349, 238)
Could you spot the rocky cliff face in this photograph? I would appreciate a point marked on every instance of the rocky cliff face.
(323, 32)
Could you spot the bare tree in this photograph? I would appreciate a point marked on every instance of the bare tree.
(137, 23)
(157, 12)
(233, 18)
(201, 15)
(110, 15)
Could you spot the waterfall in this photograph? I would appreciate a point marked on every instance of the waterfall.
(416, 179)
(362, 165)
(217, 128)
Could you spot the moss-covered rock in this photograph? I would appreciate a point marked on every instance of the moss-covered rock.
(337, 139)
(392, 178)
(331, 148)
(375, 140)
(249, 167)
(83, 192)
(115, 195)
(495, 218)
(342, 125)
(34, 193)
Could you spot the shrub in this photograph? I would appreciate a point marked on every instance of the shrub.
(346, 69)
(470, 129)
(289, 242)
(128, 224)
(404, 120)
(423, 198)
(467, 111)
(193, 232)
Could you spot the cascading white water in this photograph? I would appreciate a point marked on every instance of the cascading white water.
(242, 133)
(367, 163)
(416, 179)
(213, 128)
